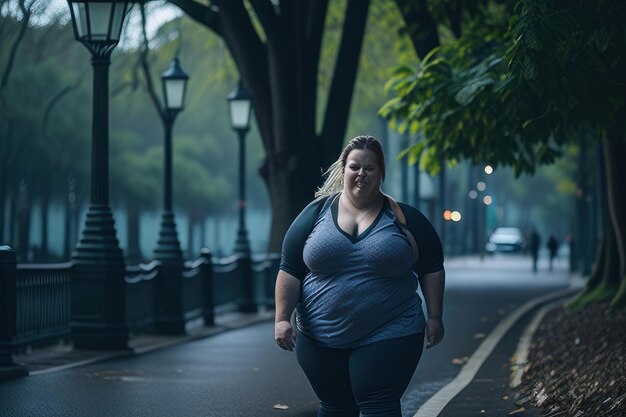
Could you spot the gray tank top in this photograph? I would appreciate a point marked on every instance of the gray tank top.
(358, 290)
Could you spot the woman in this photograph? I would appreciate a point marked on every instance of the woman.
(348, 264)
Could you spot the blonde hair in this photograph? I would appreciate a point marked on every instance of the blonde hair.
(334, 175)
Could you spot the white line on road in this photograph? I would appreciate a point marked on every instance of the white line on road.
(437, 402)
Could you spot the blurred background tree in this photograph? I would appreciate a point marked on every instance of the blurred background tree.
(516, 84)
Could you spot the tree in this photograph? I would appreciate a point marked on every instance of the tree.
(276, 48)
(14, 21)
(515, 94)
(136, 176)
(35, 137)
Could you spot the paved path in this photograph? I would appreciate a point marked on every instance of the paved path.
(242, 372)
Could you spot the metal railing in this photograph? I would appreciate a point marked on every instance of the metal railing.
(35, 299)
(42, 302)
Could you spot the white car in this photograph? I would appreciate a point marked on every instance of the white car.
(505, 239)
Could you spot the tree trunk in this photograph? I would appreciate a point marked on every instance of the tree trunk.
(190, 249)
(420, 25)
(71, 225)
(203, 237)
(614, 151)
(3, 201)
(23, 223)
(280, 72)
(43, 250)
(604, 281)
(133, 251)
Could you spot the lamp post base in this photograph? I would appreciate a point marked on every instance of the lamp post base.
(168, 247)
(247, 303)
(98, 301)
(242, 244)
(169, 302)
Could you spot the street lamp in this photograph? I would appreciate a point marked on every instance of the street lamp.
(170, 317)
(174, 82)
(240, 106)
(98, 319)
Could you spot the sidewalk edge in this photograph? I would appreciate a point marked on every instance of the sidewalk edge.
(523, 346)
(437, 402)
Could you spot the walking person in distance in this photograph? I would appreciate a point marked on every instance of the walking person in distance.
(535, 242)
(553, 248)
(349, 265)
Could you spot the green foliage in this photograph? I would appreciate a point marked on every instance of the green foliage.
(136, 174)
(195, 188)
(43, 129)
(572, 56)
(204, 146)
(45, 134)
(516, 85)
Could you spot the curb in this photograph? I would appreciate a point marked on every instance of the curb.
(523, 346)
(437, 402)
(134, 351)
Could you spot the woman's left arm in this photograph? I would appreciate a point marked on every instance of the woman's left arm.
(433, 285)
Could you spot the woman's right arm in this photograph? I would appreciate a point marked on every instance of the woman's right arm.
(286, 295)
(288, 283)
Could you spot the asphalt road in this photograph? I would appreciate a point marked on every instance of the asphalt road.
(242, 372)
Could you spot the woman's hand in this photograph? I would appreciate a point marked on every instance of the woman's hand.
(434, 332)
(284, 335)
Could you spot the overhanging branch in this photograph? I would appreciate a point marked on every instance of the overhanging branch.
(344, 78)
(143, 57)
(208, 15)
(266, 15)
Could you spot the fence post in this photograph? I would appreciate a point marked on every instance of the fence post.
(169, 301)
(247, 302)
(8, 314)
(208, 309)
(270, 281)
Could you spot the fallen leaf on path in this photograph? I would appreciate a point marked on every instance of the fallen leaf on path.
(479, 335)
(458, 361)
(541, 397)
(482, 412)
(281, 407)
(506, 397)
(519, 410)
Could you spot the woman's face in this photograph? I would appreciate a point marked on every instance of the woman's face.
(362, 175)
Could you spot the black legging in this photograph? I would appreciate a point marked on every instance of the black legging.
(371, 378)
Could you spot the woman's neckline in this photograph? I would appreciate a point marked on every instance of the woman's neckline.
(373, 204)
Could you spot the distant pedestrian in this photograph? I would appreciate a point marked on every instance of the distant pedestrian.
(535, 242)
(348, 264)
(553, 247)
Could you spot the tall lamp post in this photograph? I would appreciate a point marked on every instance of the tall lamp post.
(170, 315)
(240, 107)
(174, 82)
(98, 300)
